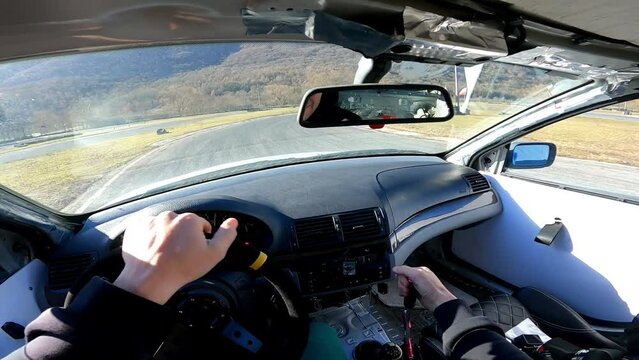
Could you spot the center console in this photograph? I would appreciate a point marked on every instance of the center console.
(360, 331)
(343, 251)
(338, 258)
(350, 268)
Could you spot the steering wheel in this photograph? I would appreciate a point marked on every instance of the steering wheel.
(233, 310)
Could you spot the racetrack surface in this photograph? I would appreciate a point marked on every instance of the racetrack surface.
(278, 135)
(84, 140)
(615, 180)
(612, 116)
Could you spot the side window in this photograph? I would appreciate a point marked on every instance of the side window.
(597, 152)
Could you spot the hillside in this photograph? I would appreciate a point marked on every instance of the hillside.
(114, 66)
(259, 75)
(54, 85)
(99, 89)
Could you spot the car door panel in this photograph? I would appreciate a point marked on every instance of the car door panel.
(21, 301)
(591, 265)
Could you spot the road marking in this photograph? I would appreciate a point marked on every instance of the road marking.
(103, 188)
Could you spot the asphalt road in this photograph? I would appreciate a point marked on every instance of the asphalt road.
(35, 150)
(278, 135)
(118, 132)
(613, 116)
(614, 179)
(281, 135)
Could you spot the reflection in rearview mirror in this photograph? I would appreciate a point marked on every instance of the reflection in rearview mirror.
(374, 104)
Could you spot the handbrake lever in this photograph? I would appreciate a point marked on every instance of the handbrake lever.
(409, 304)
(411, 298)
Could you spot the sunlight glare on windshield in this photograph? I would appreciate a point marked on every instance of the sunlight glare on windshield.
(79, 131)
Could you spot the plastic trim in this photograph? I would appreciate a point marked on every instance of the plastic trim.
(441, 219)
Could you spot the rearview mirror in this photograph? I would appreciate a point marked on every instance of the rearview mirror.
(534, 155)
(374, 104)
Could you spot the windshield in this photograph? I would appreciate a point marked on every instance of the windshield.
(79, 132)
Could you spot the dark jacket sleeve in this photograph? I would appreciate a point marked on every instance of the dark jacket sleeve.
(103, 322)
(472, 337)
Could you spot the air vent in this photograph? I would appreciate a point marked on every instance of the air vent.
(477, 182)
(63, 272)
(361, 225)
(316, 232)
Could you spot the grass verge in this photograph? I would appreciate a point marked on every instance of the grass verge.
(56, 178)
(98, 131)
(581, 137)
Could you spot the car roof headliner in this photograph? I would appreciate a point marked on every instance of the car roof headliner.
(33, 27)
(616, 19)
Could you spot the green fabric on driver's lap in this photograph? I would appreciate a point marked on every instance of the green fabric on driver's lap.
(323, 343)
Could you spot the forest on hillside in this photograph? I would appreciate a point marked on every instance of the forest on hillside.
(150, 83)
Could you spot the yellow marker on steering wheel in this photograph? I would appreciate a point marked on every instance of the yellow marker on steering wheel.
(261, 259)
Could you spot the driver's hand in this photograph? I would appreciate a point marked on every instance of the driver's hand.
(431, 290)
(165, 252)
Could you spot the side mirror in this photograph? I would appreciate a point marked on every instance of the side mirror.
(374, 105)
(534, 155)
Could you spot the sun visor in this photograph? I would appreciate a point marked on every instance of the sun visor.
(451, 40)
(555, 59)
(428, 37)
(364, 39)
(275, 22)
(320, 26)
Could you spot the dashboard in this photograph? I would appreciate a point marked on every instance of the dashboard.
(337, 225)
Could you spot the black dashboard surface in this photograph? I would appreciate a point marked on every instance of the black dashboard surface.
(275, 200)
(312, 189)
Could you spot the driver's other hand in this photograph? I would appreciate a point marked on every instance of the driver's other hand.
(165, 252)
(431, 290)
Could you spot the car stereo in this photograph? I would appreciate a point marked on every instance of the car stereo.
(344, 269)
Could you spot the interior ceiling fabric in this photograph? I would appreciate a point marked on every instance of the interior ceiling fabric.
(615, 19)
(33, 27)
